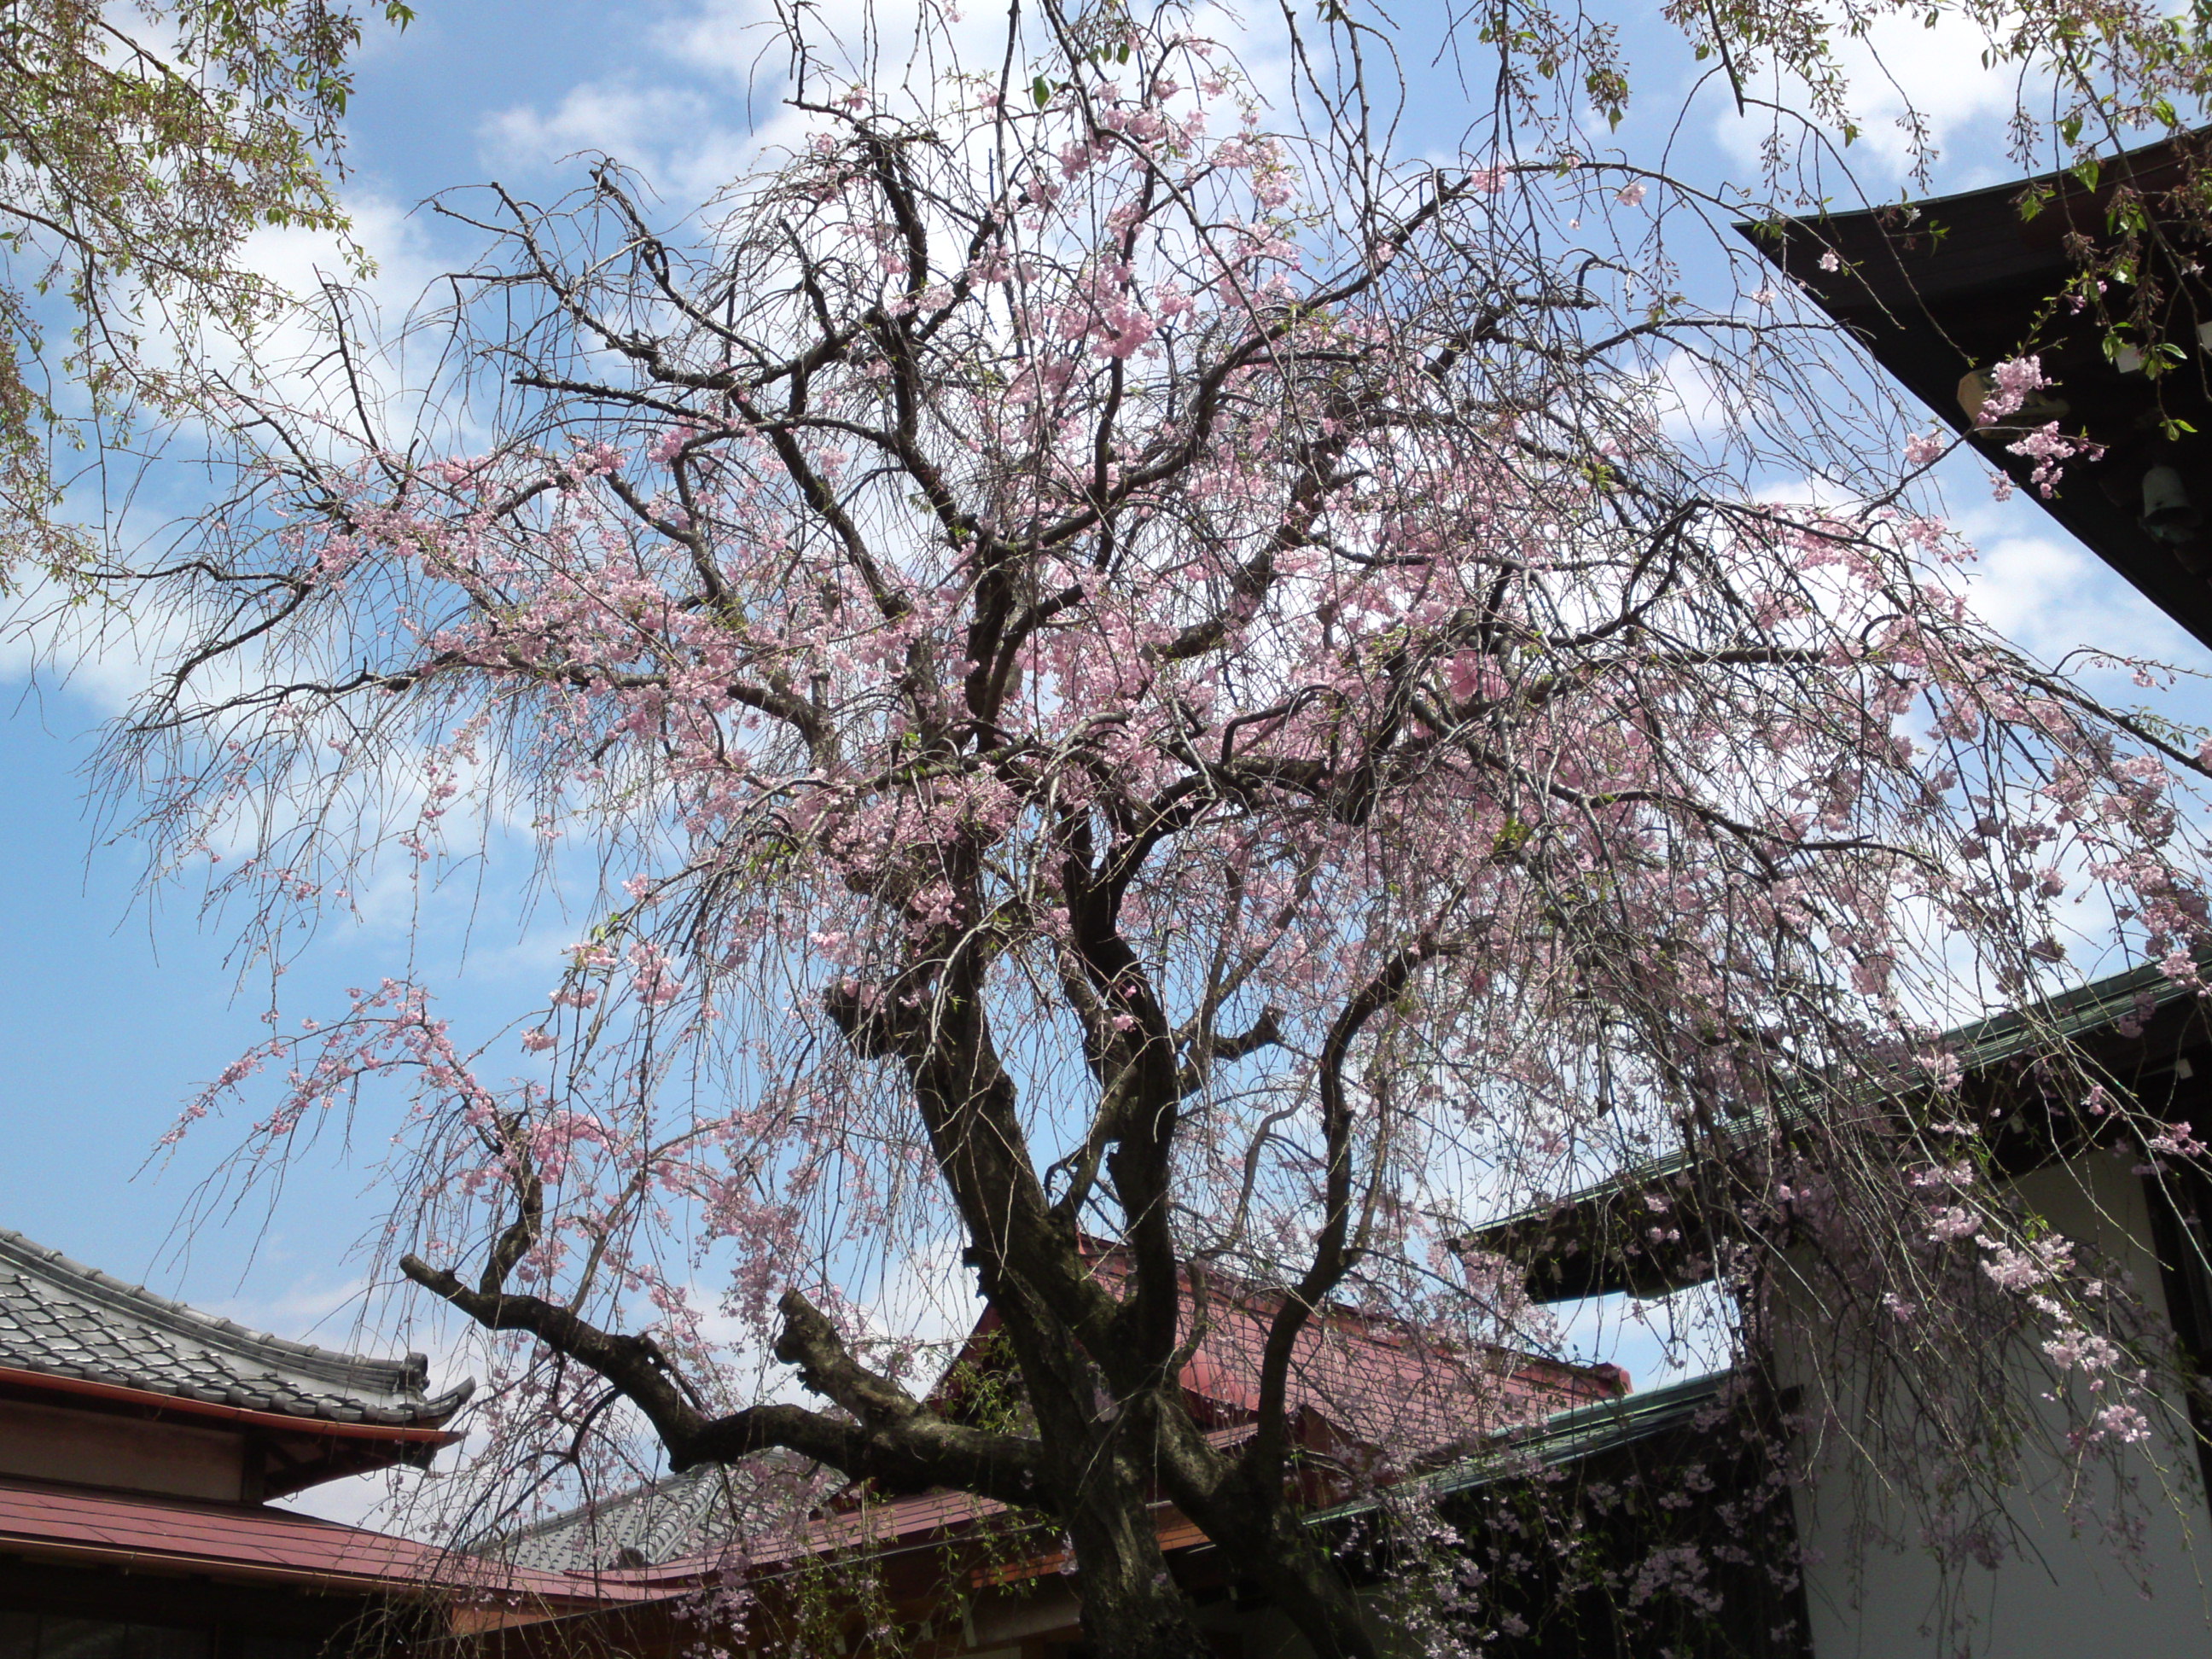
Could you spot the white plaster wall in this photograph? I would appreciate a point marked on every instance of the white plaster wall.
(1008, 1626)
(2070, 1598)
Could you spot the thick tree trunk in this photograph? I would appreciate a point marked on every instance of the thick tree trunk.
(1105, 1487)
(1131, 1608)
(1074, 1347)
(1270, 1546)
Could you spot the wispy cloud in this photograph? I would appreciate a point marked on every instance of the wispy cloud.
(1897, 70)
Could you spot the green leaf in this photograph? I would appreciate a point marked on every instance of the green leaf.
(1041, 90)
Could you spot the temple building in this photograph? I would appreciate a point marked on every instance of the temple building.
(141, 1443)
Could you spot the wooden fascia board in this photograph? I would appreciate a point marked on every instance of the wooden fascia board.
(153, 1402)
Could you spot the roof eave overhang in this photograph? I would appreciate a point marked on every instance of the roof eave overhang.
(1911, 283)
(1661, 1227)
(426, 1436)
(187, 1564)
(402, 1579)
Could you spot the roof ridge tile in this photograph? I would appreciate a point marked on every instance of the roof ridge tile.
(62, 1318)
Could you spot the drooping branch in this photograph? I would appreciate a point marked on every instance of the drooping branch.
(889, 1437)
(1332, 1258)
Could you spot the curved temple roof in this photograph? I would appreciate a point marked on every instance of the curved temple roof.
(677, 1517)
(59, 1318)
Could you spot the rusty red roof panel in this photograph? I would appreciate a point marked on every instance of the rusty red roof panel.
(243, 1541)
(1374, 1382)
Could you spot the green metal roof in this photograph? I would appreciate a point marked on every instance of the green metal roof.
(2074, 1013)
(1565, 1437)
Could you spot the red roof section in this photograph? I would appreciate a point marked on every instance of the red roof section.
(1385, 1390)
(245, 1542)
(876, 1524)
(1360, 1382)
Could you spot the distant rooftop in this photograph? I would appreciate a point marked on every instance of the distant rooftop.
(678, 1517)
(61, 1319)
(1356, 1380)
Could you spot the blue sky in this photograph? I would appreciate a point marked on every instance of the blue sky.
(117, 1005)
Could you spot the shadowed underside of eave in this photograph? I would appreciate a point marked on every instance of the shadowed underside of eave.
(1955, 285)
(1658, 1226)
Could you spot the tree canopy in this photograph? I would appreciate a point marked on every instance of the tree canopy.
(133, 166)
(1142, 675)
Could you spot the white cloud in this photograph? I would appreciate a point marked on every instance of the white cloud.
(302, 261)
(104, 656)
(738, 39)
(1898, 68)
(671, 135)
(290, 361)
(743, 41)
(42, 640)
(327, 1314)
(1694, 403)
(1658, 1341)
(714, 101)
(2049, 595)
(624, 122)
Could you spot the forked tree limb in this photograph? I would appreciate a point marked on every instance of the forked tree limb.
(881, 1433)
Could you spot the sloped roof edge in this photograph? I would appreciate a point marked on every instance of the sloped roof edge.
(300, 1379)
(1938, 288)
(1564, 1438)
(2066, 1016)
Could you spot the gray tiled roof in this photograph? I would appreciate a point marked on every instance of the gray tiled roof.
(673, 1519)
(64, 1319)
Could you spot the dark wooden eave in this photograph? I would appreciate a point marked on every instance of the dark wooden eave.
(1956, 285)
(1657, 1227)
